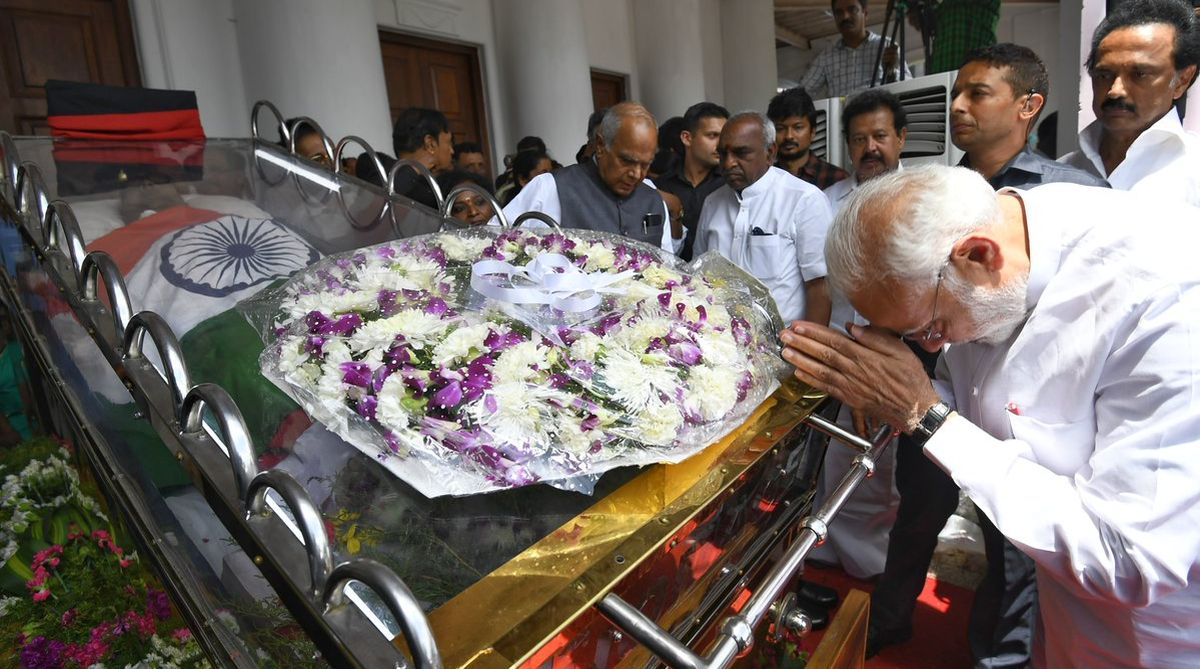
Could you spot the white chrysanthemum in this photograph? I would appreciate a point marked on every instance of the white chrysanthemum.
(586, 347)
(390, 412)
(416, 326)
(521, 415)
(599, 256)
(459, 343)
(292, 355)
(659, 423)
(636, 337)
(463, 249)
(516, 364)
(353, 300)
(719, 349)
(713, 390)
(658, 276)
(331, 395)
(571, 436)
(375, 277)
(635, 384)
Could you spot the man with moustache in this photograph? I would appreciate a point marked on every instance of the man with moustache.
(795, 120)
(995, 101)
(607, 193)
(693, 180)
(849, 64)
(1144, 57)
(767, 221)
(875, 126)
(1067, 405)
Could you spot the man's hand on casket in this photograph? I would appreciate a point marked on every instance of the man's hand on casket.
(874, 373)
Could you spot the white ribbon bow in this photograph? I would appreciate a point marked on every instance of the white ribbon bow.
(550, 279)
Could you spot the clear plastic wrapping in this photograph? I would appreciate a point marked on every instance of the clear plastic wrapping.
(484, 359)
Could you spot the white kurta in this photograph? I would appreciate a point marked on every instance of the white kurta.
(541, 194)
(1162, 163)
(774, 230)
(1080, 437)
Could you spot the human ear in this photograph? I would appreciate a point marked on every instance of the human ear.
(1185, 79)
(977, 255)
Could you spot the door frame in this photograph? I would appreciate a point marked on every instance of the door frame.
(473, 49)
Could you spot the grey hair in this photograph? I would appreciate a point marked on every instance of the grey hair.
(768, 126)
(929, 208)
(616, 115)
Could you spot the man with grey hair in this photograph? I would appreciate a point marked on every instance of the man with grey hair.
(767, 221)
(607, 193)
(1068, 404)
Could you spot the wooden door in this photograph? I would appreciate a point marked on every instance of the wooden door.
(607, 89)
(75, 40)
(437, 75)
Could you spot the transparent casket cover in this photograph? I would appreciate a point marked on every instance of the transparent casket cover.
(482, 359)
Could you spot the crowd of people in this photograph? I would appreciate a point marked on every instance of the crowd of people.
(1029, 327)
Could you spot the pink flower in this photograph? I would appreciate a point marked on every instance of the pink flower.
(125, 563)
(39, 577)
(182, 634)
(68, 617)
(41, 595)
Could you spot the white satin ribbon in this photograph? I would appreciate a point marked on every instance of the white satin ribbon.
(542, 282)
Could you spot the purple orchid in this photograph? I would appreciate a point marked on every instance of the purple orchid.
(449, 397)
(367, 404)
(356, 374)
(744, 385)
(741, 330)
(685, 352)
(437, 307)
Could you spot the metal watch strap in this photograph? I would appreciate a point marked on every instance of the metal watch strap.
(930, 422)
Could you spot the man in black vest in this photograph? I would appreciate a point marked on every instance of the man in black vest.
(607, 193)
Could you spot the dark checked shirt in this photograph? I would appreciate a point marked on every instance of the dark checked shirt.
(960, 26)
(1029, 168)
(818, 172)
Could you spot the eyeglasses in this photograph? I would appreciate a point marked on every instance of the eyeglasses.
(928, 334)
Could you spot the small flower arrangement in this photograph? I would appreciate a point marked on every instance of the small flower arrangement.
(87, 605)
(480, 360)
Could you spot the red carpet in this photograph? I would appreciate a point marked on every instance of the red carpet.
(939, 624)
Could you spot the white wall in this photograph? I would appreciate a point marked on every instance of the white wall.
(748, 45)
(193, 46)
(669, 55)
(608, 30)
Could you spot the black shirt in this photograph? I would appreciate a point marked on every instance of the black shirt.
(676, 183)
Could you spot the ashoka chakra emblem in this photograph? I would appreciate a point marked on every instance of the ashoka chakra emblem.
(232, 253)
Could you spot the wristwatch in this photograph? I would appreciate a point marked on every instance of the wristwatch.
(930, 422)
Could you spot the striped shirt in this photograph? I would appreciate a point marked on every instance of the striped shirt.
(840, 70)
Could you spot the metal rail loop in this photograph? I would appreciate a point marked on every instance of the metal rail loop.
(325, 141)
(537, 216)
(178, 379)
(421, 170)
(232, 426)
(29, 176)
(469, 187)
(399, 599)
(337, 169)
(284, 131)
(832, 429)
(9, 164)
(312, 528)
(737, 632)
(100, 264)
(60, 211)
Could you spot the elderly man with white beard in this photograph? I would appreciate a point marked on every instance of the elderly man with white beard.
(1067, 405)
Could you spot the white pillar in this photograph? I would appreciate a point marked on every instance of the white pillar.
(545, 79)
(318, 59)
(670, 55)
(748, 45)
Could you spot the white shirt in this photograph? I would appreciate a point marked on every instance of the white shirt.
(541, 194)
(1080, 437)
(775, 230)
(1163, 162)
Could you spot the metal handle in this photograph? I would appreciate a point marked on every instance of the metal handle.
(10, 162)
(420, 169)
(537, 216)
(370, 151)
(231, 424)
(469, 187)
(284, 131)
(399, 599)
(312, 528)
(737, 631)
(29, 176)
(168, 349)
(304, 120)
(60, 211)
(99, 263)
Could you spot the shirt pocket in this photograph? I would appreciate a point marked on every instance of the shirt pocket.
(768, 256)
(1063, 447)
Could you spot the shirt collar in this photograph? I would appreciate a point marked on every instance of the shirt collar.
(1025, 160)
(852, 180)
(841, 42)
(759, 187)
(1044, 252)
(1165, 129)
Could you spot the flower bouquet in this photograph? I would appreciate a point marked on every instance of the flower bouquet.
(483, 359)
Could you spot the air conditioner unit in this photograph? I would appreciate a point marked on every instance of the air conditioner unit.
(926, 102)
(828, 143)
